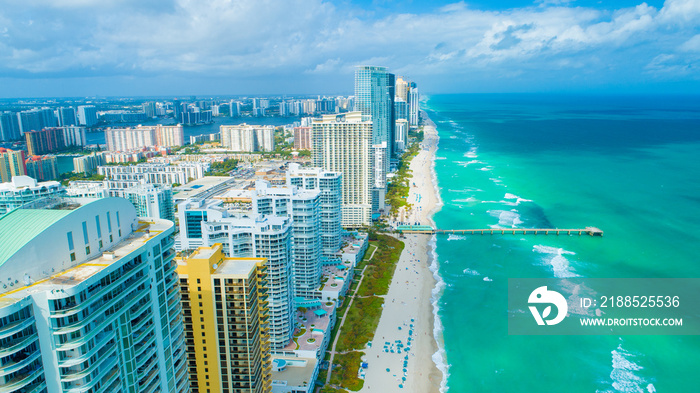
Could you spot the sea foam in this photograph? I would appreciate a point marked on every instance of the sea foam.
(555, 258)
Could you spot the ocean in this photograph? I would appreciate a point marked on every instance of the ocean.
(628, 165)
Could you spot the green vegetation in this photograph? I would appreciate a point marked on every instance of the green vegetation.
(66, 178)
(187, 149)
(360, 323)
(345, 370)
(416, 134)
(397, 192)
(222, 168)
(381, 269)
(363, 317)
(304, 153)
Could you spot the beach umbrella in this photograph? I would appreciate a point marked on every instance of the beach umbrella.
(403, 379)
(400, 386)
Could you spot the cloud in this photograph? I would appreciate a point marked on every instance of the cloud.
(692, 45)
(277, 39)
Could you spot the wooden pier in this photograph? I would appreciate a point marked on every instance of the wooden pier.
(592, 231)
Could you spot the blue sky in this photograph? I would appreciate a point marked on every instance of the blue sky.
(216, 47)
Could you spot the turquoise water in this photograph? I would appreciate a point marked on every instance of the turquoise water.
(627, 165)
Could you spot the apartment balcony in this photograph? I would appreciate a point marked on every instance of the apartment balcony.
(107, 358)
(100, 340)
(11, 329)
(18, 362)
(76, 308)
(17, 346)
(109, 370)
(21, 381)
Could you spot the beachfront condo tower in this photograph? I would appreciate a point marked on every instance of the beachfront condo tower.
(90, 300)
(330, 185)
(374, 96)
(343, 143)
(226, 321)
(247, 235)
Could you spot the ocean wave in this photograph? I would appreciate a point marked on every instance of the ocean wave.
(468, 200)
(518, 200)
(468, 189)
(486, 168)
(440, 158)
(560, 265)
(471, 272)
(506, 218)
(471, 153)
(455, 237)
(488, 279)
(467, 163)
(623, 376)
(440, 356)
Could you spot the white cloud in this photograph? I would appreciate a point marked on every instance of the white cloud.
(692, 45)
(315, 37)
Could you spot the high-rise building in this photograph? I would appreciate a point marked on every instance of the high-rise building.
(247, 235)
(248, 138)
(401, 135)
(303, 207)
(226, 321)
(47, 140)
(330, 186)
(66, 116)
(9, 128)
(151, 200)
(302, 138)
(88, 164)
(149, 108)
(11, 164)
(402, 88)
(90, 300)
(24, 189)
(169, 136)
(374, 96)
(87, 115)
(235, 109)
(343, 143)
(74, 135)
(413, 105)
(42, 168)
(123, 139)
(36, 119)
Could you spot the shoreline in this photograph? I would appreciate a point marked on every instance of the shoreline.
(405, 322)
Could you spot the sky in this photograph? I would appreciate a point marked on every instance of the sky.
(76, 48)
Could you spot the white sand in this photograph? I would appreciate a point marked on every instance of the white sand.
(409, 298)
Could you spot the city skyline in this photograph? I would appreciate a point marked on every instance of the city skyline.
(115, 48)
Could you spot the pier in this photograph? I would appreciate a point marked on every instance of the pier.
(428, 230)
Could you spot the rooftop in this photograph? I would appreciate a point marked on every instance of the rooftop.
(77, 274)
(298, 371)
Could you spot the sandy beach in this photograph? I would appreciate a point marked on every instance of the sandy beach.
(404, 338)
